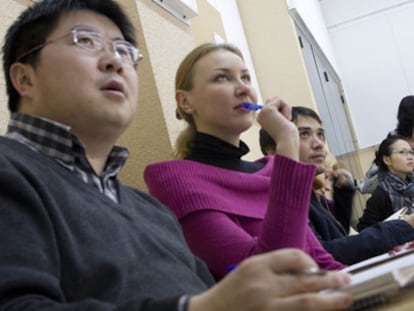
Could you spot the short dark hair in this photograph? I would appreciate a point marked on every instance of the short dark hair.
(304, 112)
(405, 116)
(267, 142)
(35, 24)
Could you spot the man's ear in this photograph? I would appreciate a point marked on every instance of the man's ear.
(183, 101)
(21, 76)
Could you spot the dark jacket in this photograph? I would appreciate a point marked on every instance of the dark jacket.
(371, 242)
(378, 208)
(342, 206)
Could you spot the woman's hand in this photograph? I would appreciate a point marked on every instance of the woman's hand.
(275, 118)
(271, 282)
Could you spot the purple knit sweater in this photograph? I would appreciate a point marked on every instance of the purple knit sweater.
(228, 216)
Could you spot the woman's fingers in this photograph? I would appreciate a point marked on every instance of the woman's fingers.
(281, 106)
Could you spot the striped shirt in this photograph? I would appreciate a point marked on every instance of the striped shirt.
(56, 140)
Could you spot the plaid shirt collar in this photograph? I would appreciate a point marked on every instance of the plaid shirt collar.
(58, 142)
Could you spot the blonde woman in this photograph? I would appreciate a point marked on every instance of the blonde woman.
(230, 208)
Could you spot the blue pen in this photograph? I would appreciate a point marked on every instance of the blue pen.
(250, 106)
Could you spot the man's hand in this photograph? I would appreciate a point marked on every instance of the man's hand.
(273, 281)
(342, 177)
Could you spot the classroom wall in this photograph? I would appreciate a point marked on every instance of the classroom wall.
(373, 44)
(310, 11)
(150, 136)
(275, 51)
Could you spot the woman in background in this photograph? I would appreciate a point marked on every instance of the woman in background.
(405, 128)
(229, 208)
(395, 190)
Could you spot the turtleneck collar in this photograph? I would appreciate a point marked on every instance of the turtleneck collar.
(214, 151)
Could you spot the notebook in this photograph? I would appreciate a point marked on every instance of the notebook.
(376, 280)
(400, 214)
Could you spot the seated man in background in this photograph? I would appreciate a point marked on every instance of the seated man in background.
(333, 186)
(72, 237)
(374, 240)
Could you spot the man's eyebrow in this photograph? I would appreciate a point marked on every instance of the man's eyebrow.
(308, 128)
(84, 27)
(91, 29)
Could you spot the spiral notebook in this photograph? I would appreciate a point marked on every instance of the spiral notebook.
(376, 280)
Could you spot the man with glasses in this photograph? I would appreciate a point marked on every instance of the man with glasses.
(372, 241)
(72, 237)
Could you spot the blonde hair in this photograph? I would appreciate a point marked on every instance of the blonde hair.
(184, 81)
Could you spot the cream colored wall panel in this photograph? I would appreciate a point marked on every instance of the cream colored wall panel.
(275, 51)
(207, 23)
(167, 40)
(163, 40)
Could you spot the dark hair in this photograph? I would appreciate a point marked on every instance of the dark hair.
(304, 112)
(35, 24)
(405, 117)
(266, 141)
(384, 150)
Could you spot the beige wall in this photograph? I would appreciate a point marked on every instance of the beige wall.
(206, 23)
(275, 51)
(367, 156)
(164, 40)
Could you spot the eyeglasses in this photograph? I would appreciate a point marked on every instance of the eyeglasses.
(93, 41)
(404, 152)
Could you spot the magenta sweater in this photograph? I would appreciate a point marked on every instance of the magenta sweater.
(228, 216)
